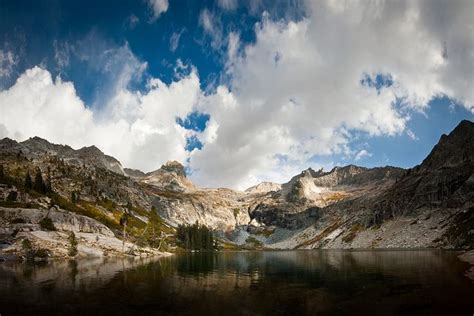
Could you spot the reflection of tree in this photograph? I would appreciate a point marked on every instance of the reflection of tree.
(196, 263)
(73, 271)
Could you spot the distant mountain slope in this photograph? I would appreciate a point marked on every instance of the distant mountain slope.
(37, 147)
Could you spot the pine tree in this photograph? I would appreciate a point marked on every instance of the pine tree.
(39, 185)
(28, 182)
(123, 223)
(47, 184)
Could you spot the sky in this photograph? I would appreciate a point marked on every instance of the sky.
(238, 91)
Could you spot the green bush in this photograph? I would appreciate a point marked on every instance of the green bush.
(26, 245)
(47, 224)
(42, 253)
(72, 249)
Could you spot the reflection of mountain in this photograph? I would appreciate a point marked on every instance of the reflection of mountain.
(88, 274)
(236, 283)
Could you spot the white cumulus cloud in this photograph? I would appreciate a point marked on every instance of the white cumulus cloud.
(158, 7)
(362, 154)
(144, 138)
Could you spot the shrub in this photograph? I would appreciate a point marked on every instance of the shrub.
(42, 253)
(47, 224)
(26, 244)
(252, 241)
(27, 249)
(72, 250)
(12, 196)
(28, 181)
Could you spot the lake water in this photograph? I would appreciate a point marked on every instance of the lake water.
(244, 283)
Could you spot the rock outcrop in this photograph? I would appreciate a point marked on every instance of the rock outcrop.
(170, 177)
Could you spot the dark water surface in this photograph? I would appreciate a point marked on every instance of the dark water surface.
(244, 283)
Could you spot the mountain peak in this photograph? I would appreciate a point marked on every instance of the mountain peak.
(455, 148)
(174, 166)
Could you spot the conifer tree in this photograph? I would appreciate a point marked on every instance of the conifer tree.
(28, 182)
(39, 185)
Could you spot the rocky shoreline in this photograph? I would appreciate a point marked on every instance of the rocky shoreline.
(20, 228)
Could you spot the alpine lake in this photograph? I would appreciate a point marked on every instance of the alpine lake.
(312, 282)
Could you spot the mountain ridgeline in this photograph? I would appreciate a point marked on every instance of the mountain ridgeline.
(430, 205)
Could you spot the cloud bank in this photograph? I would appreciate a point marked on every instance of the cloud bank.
(301, 89)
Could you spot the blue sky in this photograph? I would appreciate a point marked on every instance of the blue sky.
(240, 92)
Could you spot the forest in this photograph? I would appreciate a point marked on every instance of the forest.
(195, 237)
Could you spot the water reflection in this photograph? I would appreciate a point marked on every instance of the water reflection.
(240, 283)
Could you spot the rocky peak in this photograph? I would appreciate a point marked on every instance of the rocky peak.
(40, 145)
(36, 147)
(264, 187)
(311, 173)
(174, 166)
(7, 143)
(90, 151)
(453, 149)
(338, 175)
(171, 176)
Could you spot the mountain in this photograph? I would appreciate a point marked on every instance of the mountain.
(430, 205)
(37, 147)
(263, 187)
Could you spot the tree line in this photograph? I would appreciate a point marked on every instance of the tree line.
(195, 237)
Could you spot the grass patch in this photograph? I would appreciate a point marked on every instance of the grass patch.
(335, 197)
(355, 229)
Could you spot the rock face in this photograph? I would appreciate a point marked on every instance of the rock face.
(62, 220)
(134, 173)
(300, 200)
(94, 238)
